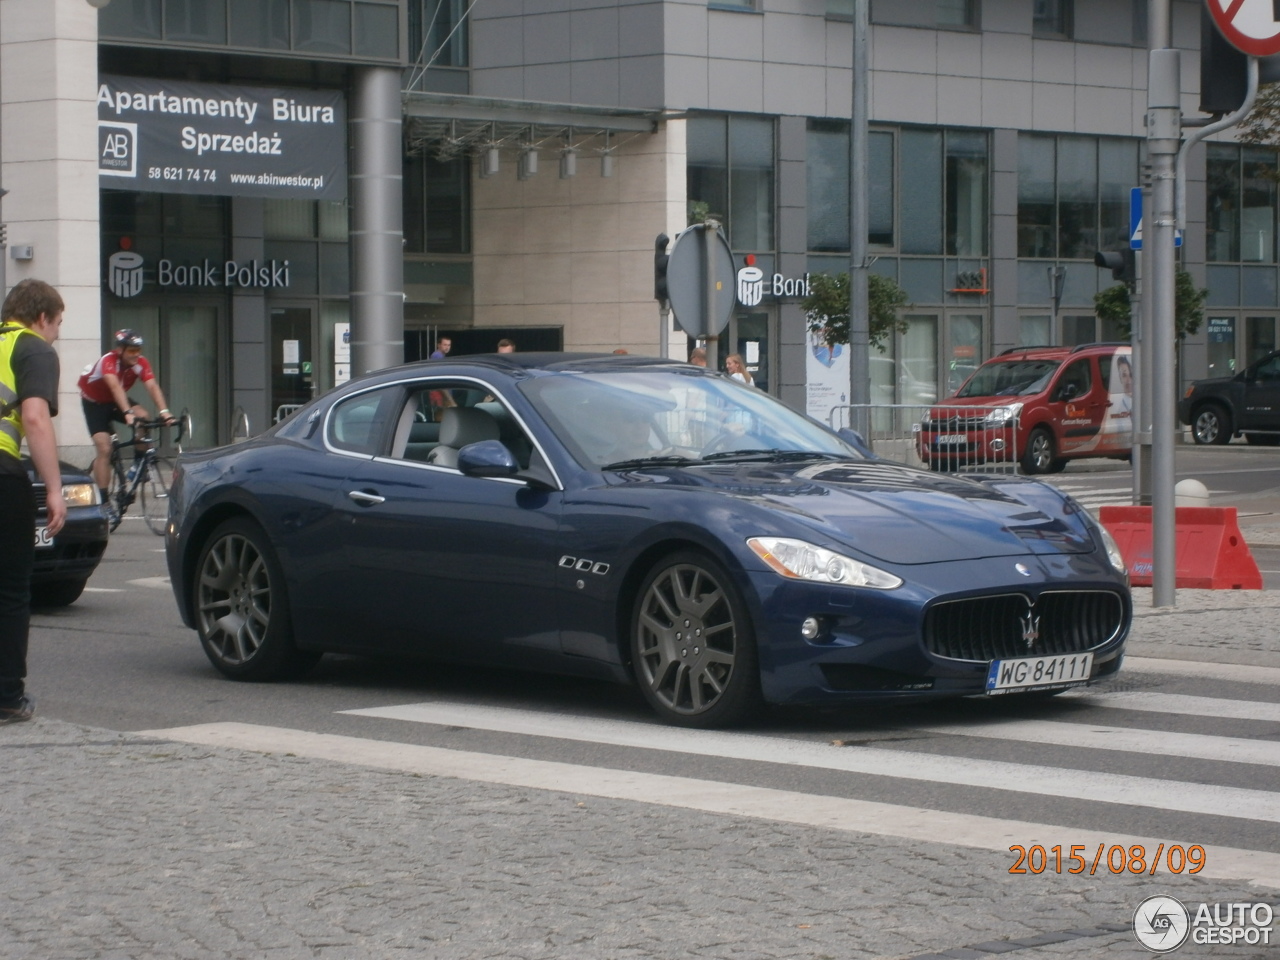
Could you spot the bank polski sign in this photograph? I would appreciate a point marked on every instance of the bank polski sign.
(166, 136)
(753, 284)
(125, 276)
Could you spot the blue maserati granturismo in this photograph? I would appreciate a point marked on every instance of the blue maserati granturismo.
(636, 520)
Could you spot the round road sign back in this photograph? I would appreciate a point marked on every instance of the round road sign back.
(1248, 25)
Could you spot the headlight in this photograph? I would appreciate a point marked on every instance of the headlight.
(1114, 556)
(798, 560)
(80, 494)
(999, 415)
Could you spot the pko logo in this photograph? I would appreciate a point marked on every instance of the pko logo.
(1161, 924)
(124, 273)
(117, 149)
(750, 286)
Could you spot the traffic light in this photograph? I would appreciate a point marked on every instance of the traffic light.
(660, 259)
(1121, 263)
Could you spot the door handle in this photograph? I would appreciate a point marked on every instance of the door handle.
(365, 499)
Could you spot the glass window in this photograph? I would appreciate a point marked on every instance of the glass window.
(358, 423)
(376, 30)
(734, 4)
(1036, 207)
(1033, 331)
(1258, 210)
(1077, 197)
(1222, 201)
(966, 199)
(921, 191)
(1051, 18)
(880, 209)
(1117, 164)
(204, 21)
(187, 215)
(750, 183)
(322, 25)
(707, 153)
(435, 33)
(1260, 337)
(967, 349)
(289, 219)
(827, 171)
(260, 23)
(135, 19)
(333, 219)
(1075, 381)
(436, 205)
(1221, 335)
(1078, 330)
(302, 264)
(956, 13)
(335, 271)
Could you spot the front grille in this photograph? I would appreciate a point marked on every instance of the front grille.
(42, 498)
(957, 423)
(1017, 625)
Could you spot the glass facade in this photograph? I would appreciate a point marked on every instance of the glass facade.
(438, 32)
(436, 205)
(1051, 18)
(1073, 195)
(1240, 204)
(730, 174)
(332, 29)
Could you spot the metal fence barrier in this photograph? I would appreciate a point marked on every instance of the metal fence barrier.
(935, 436)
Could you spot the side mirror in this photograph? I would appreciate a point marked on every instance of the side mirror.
(855, 440)
(488, 458)
(1068, 391)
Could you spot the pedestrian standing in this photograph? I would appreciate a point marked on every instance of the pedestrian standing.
(443, 346)
(698, 357)
(30, 320)
(506, 346)
(736, 369)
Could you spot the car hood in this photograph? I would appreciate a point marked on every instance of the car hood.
(899, 514)
(1213, 383)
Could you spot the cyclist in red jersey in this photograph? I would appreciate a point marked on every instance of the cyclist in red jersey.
(104, 396)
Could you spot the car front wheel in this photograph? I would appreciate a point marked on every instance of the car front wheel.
(1039, 455)
(1210, 425)
(692, 644)
(242, 610)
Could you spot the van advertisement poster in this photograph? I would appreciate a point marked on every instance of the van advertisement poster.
(168, 136)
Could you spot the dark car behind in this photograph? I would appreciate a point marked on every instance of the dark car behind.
(1248, 403)
(63, 567)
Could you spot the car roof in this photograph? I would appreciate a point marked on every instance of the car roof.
(1055, 353)
(515, 364)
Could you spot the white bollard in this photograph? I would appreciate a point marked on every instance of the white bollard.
(1190, 493)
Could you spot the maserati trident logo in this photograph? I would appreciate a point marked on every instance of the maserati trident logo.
(1030, 629)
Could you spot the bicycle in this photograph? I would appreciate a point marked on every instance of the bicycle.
(146, 480)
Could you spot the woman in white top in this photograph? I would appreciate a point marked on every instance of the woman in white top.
(736, 369)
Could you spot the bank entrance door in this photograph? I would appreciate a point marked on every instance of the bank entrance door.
(181, 342)
(293, 374)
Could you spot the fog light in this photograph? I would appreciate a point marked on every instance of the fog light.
(997, 444)
(810, 628)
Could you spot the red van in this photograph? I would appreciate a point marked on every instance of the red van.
(1039, 406)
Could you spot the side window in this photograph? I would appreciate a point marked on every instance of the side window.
(440, 417)
(1074, 382)
(1269, 371)
(358, 424)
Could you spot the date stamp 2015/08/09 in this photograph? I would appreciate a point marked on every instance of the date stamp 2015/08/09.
(1115, 858)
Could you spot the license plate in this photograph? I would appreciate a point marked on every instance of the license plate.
(43, 537)
(1039, 673)
(950, 439)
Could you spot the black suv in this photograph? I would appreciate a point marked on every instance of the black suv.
(1224, 407)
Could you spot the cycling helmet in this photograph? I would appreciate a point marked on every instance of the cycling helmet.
(128, 338)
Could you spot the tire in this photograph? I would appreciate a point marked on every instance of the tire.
(941, 465)
(56, 593)
(693, 646)
(241, 607)
(1210, 424)
(153, 496)
(1262, 439)
(1039, 457)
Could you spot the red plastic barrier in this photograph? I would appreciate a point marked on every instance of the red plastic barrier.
(1211, 552)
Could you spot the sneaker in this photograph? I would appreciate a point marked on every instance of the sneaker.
(24, 709)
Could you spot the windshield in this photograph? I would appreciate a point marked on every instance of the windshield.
(1012, 378)
(662, 417)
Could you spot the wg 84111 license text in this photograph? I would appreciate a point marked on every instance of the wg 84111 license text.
(193, 174)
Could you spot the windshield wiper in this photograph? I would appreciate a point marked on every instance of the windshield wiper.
(666, 460)
(771, 456)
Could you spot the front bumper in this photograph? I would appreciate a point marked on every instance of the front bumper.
(873, 648)
(76, 549)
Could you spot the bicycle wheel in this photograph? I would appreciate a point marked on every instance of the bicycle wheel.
(116, 485)
(153, 495)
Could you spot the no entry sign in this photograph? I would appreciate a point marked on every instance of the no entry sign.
(1251, 26)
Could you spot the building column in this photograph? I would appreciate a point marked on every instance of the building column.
(377, 232)
(48, 163)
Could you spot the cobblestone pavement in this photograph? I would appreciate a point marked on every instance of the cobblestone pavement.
(118, 846)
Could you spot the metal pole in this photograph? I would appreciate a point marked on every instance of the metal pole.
(859, 307)
(1164, 133)
(710, 229)
(1141, 431)
(664, 328)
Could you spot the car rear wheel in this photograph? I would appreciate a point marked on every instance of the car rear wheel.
(1039, 455)
(1210, 425)
(241, 608)
(693, 648)
(57, 593)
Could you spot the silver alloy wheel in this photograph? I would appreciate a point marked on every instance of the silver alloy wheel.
(686, 640)
(233, 602)
(1039, 452)
(1208, 426)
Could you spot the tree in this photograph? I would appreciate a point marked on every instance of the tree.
(827, 308)
(1113, 307)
